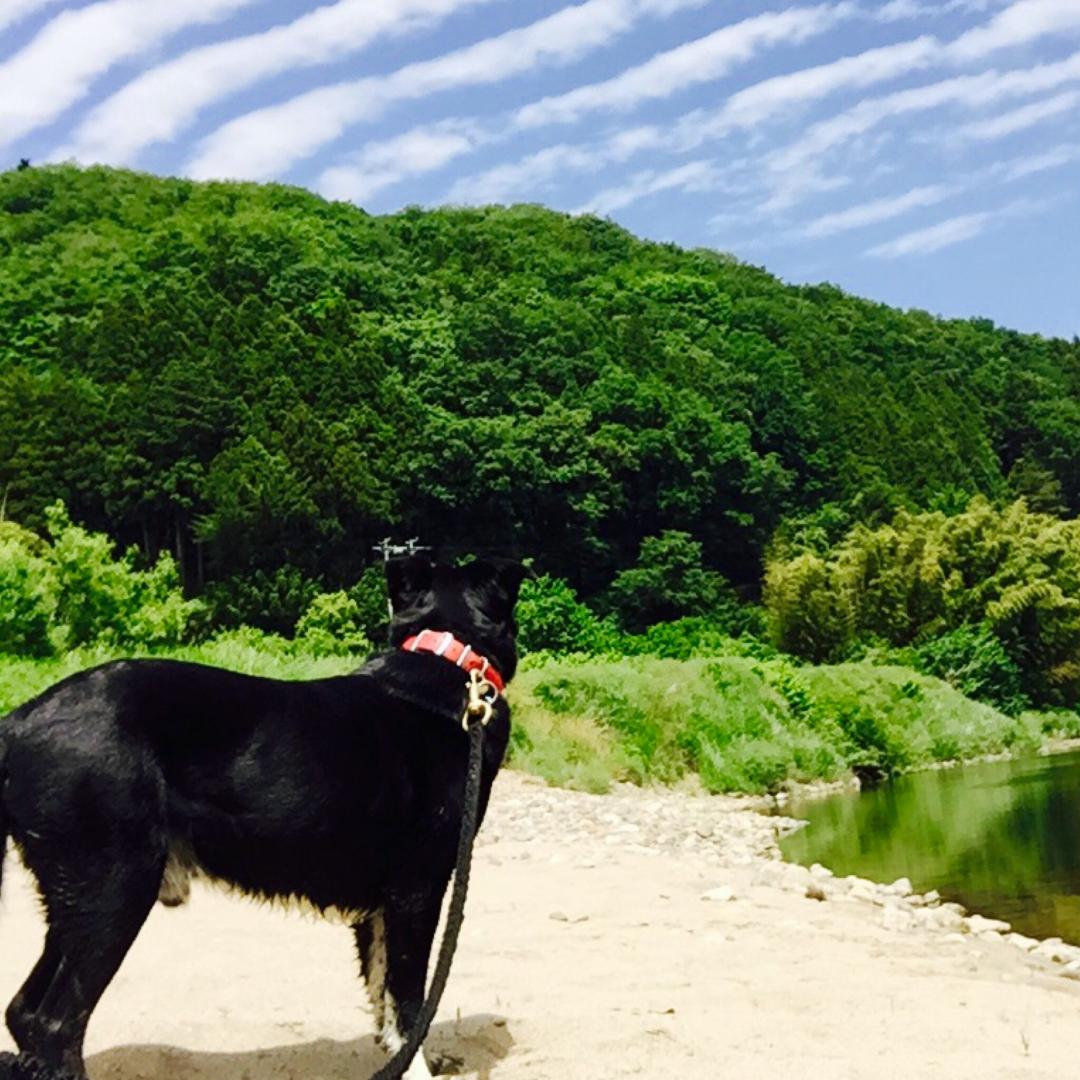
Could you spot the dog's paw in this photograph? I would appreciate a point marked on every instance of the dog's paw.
(27, 1067)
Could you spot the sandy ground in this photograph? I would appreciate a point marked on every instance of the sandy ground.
(635, 975)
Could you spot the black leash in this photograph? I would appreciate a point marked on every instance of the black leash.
(455, 916)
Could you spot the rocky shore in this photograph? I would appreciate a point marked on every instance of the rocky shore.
(732, 832)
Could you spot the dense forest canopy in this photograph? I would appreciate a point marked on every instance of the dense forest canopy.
(265, 383)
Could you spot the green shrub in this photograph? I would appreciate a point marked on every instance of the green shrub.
(692, 636)
(669, 582)
(972, 659)
(102, 599)
(27, 600)
(333, 626)
(551, 618)
(270, 601)
(369, 595)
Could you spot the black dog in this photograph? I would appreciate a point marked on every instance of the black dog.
(345, 794)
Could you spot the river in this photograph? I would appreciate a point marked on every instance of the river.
(1001, 838)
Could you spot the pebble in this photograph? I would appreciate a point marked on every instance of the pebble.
(722, 894)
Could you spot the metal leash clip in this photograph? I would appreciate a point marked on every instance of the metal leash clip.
(482, 697)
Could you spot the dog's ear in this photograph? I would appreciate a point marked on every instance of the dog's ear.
(502, 576)
(406, 579)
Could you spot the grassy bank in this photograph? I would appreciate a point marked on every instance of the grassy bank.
(749, 725)
(738, 723)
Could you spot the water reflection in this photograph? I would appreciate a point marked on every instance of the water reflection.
(1003, 839)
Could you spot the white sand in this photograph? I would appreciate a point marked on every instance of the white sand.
(638, 977)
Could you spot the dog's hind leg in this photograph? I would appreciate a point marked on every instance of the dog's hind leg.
(97, 891)
(20, 1013)
(94, 916)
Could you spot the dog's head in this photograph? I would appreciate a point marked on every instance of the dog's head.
(474, 602)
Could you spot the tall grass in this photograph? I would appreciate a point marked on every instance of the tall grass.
(748, 725)
(245, 650)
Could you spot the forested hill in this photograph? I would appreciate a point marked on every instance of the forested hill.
(253, 377)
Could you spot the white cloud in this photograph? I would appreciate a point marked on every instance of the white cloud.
(955, 230)
(745, 109)
(1054, 158)
(14, 10)
(800, 160)
(693, 176)
(534, 172)
(926, 241)
(998, 127)
(56, 68)
(381, 164)
(765, 99)
(1018, 24)
(896, 10)
(264, 143)
(702, 60)
(870, 213)
(164, 100)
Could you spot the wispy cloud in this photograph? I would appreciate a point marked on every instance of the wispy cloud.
(58, 66)
(266, 142)
(925, 241)
(693, 176)
(743, 110)
(878, 210)
(954, 230)
(1018, 24)
(381, 164)
(533, 173)
(896, 10)
(1009, 123)
(1054, 158)
(794, 168)
(792, 173)
(15, 10)
(757, 103)
(161, 102)
(702, 60)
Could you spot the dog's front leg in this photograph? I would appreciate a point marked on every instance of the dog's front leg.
(371, 949)
(410, 922)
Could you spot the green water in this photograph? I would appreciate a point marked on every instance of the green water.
(1003, 839)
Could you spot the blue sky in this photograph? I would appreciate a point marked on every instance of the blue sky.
(920, 152)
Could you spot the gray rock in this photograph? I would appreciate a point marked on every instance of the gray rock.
(1028, 944)
(978, 924)
(1052, 949)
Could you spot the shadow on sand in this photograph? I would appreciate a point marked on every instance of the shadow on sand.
(473, 1044)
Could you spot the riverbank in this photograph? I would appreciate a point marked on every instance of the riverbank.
(640, 933)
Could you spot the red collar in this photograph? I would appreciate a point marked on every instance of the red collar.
(443, 643)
